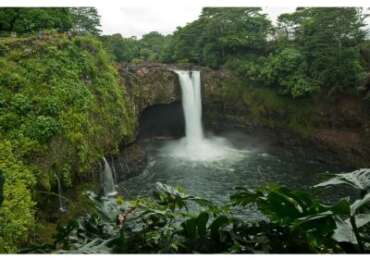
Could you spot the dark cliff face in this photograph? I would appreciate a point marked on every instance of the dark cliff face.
(339, 126)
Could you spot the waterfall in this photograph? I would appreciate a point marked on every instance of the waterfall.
(115, 178)
(195, 147)
(192, 105)
(62, 208)
(108, 181)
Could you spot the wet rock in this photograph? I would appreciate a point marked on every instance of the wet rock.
(148, 85)
(130, 162)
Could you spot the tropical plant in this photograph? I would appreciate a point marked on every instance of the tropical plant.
(350, 229)
(358, 179)
(174, 222)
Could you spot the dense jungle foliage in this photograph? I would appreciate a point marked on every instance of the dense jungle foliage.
(175, 222)
(62, 108)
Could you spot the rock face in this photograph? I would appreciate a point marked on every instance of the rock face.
(149, 85)
(155, 99)
(130, 162)
(339, 127)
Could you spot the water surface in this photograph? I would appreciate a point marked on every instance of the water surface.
(243, 165)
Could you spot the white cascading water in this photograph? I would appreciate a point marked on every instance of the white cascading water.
(192, 105)
(195, 146)
(108, 181)
(62, 208)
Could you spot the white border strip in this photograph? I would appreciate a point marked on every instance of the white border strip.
(123, 3)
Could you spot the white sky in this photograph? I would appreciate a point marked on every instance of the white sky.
(137, 17)
(136, 21)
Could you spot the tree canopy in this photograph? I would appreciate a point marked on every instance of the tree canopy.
(309, 50)
(28, 20)
(328, 39)
(152, 47)
(221, 33)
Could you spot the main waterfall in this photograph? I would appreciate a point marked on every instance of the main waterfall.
(195, 146)
(192, 105)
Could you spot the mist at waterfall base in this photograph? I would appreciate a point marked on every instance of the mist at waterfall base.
(211, 166)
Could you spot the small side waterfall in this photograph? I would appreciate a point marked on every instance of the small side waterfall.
(62, 208)
(107, 179)
(115, 178)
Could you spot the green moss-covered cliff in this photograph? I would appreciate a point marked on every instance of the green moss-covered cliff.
(61, 109)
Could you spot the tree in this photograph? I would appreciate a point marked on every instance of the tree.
(152, 46)
(329, 40)
(286, 69)
(28, 20)
(221, 33)
(86, 20)
(122, 49)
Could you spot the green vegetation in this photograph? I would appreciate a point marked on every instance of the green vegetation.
(246, 105)
(276, 111)
(17, 209)
(85, 20)
(152, 47)
(221, 34)
(174, 222)
(309, 51)
(329, 40)
(61, 109)
(31, 20)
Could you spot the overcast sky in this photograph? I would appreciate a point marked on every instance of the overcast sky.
(136, 21)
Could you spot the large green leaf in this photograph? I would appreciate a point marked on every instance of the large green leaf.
(244, 196)
(359, 179)
(202, 223)
(217, 224)
(342, 207)
(175, 198)
(344, 231)
(196, 227)
(311, 221)
(358, 204)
